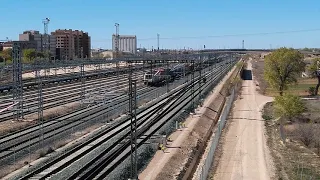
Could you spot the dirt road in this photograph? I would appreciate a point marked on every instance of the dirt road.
(245, 153)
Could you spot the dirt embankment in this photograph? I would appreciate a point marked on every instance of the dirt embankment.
(177, 166)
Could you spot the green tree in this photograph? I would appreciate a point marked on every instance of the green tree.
(288, 106)
(47, 54)
(29, 54)
(40, 55)
(6, 55)
(283, 67)
(313, 68)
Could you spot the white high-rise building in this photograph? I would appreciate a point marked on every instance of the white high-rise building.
(127, 43)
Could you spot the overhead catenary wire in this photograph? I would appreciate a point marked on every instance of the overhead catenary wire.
(221, 36)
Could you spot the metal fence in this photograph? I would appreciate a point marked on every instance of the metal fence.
(205, 168)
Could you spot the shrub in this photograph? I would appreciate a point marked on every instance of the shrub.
(306, 133)
(42, 153)
(288, 106)
(50, 150)
(266, 117)
(312, 91)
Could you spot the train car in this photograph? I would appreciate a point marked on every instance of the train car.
(158, 77)
(181, 69)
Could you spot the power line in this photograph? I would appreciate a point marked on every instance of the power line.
(221, 36)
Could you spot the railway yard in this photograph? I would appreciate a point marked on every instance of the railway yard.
(94, 139)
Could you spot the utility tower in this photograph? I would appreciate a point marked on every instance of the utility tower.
(46, 45)
(45, 50)
(17, 80)
(133, 130)
(242, 44)
(158, 36)
(116, 43)
(117, 39)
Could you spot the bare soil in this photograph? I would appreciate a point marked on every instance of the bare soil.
(176, 166)
(257, 70)
(31, 119)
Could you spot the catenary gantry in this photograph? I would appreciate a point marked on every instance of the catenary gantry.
(195, 56)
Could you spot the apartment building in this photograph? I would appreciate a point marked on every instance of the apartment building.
(127, 43)
(35, 37)
(82, 44)
(72, 44)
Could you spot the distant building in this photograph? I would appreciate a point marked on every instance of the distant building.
(72, 44)
(25, 44)
(127, 43)
(7, 45)
(101, 53)
(39, 39)
(82, 44)
(107, 54)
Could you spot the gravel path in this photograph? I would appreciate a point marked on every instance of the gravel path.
(245, 154)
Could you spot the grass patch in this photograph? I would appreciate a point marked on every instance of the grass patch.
(305, 173)
(300, 89)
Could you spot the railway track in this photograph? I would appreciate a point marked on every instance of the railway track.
(19, 141)
(54, 98)
(70, 77)
(47, 93)
(108, 160)
(30, 137)
(65, 87)
(146, 119)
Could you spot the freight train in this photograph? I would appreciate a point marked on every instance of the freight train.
(163, 75)
(158, 77)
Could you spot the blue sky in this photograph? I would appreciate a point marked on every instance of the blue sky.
(172, 19)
